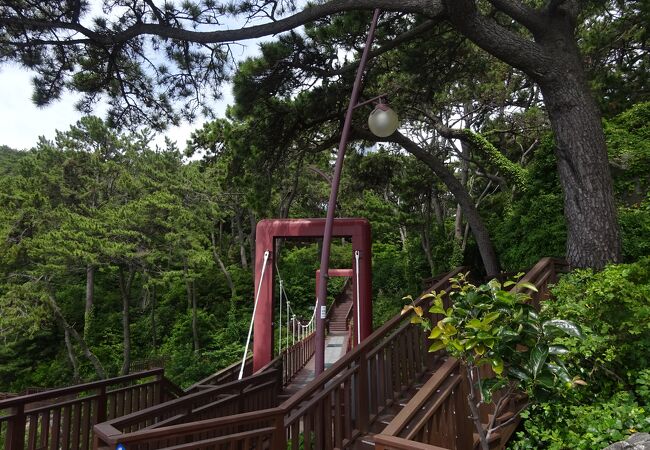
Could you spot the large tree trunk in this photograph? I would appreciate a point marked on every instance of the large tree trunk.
(589, 206)
(195, 322)
(554, 62)
(58, 316)
(90, 291)
(125, 281)
(72, 357)
(240, 239)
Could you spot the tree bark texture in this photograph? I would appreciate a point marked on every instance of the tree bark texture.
(125, 280)
(195, 323)
(58, 315)
(72, 357)
(90, 294)
(581, 154)
(222, 266)
(240, 239)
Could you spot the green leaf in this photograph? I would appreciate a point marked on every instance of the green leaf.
(518, 373)
(527, 285)
(546, 380)
(437, 307)
(497, 365)
(508, 283)
(566, 326)
(559, 371)
(558, 350)
(491, 317)
(537, 358)
(435, 333)
(437, 346)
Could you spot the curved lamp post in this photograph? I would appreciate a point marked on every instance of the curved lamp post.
(382, 122)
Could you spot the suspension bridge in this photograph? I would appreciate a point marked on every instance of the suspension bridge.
(380, 389)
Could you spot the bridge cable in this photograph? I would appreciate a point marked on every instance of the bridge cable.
(356, 258)
(250, 328)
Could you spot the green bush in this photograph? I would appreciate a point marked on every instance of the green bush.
(635, 230)
(559, 426)
(613, 309)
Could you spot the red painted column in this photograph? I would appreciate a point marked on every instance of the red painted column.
(361, 241)
(262, 326)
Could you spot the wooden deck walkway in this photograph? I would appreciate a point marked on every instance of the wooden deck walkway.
(335, 347)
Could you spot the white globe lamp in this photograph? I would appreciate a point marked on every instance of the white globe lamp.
(383, 121)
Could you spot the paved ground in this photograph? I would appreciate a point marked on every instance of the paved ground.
(334, 350)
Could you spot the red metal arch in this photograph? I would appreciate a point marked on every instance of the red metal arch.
(267, 231)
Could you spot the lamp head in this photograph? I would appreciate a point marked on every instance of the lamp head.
(383, 121)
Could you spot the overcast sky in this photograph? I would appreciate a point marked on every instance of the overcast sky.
(21, 122)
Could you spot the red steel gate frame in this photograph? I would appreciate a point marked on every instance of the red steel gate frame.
(266, 233)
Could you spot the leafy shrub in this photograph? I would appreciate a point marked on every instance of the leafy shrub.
(558, 426)
(635, 230)
(613, 311)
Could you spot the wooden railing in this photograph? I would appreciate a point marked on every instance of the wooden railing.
(63, 418)
(437, 415)
(160, 426)
(295, 357)
(444, 422)
(153, 362)
(223, 376)
(330, 412)
(342, 403)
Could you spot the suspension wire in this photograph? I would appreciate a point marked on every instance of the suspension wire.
(298, 330)
(250, 328)
(356, 259)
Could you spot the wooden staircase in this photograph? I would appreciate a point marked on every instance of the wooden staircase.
(367, 442)
(341, 311)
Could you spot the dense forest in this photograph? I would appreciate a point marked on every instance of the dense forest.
(114, 252)
(513, 115)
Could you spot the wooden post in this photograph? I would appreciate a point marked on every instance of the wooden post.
(279, 436)
(101, 405)
(16, 430)
(362, 394)
(464, 426)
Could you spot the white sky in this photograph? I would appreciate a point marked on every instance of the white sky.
(21, 122)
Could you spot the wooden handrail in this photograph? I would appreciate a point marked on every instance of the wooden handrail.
(64, 417)
(60, 392)
(189, 399)
(415, 405)
(387, 442)
(225, 375)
